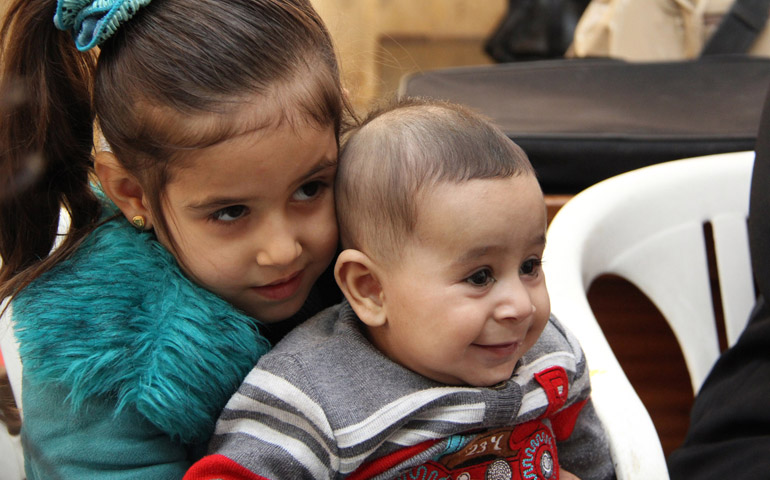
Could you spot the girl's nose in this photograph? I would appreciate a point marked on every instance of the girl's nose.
(279, 254)
(278, 247)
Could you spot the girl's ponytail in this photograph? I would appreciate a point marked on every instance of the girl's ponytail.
(46, 142)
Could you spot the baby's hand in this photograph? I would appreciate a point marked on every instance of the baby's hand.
(565, 475)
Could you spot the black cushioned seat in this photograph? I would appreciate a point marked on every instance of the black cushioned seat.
(584, 120)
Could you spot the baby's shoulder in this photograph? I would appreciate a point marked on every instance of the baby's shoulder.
(325, 340)
(315, 332)
(557, 337)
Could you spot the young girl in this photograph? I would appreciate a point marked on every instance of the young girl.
(212, 221)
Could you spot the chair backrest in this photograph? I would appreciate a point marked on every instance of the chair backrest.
(647, 226)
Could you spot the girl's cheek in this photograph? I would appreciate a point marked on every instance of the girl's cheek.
(329, 226)
(330, 236)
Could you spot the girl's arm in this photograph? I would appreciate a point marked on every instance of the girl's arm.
(565, 475)
(93, 443)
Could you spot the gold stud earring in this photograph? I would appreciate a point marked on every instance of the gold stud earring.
(138, 222)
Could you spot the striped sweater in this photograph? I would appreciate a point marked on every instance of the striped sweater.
(324, 403)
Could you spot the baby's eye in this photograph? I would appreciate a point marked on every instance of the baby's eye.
(229, 214)
(481, 278)
(308, 191)
(530, 267)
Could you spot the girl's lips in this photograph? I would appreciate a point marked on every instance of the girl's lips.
(281, 290)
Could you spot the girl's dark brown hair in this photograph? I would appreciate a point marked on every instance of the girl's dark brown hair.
(173, 60)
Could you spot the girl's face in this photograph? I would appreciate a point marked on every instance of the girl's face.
(253, 219)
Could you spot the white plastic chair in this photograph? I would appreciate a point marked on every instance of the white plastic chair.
(647, 227)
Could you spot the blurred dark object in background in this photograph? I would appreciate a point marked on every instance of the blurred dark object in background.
(16, 178)
(584, 120)
(535, 30)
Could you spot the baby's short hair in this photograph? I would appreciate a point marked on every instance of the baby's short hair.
(401, 150)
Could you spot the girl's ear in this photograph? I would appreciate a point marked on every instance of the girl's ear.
(356, 274)
(122, 188)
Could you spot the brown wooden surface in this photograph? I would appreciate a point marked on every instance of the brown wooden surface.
(649, 354)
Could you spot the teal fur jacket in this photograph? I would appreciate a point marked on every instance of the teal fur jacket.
(118, 331)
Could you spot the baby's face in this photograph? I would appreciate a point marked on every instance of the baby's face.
(468, 297)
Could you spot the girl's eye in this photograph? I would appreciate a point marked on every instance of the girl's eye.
(308, 191)
(481, 278)
(229, 214)
(530, 267)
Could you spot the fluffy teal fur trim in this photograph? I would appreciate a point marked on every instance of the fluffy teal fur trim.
(120, 319)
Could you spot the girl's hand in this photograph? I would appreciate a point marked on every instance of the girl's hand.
(565, 475)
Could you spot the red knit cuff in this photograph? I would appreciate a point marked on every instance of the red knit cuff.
(219, 467)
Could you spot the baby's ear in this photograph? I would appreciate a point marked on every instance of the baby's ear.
(357, 276)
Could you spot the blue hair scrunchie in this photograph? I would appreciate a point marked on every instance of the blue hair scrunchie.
(94, 21)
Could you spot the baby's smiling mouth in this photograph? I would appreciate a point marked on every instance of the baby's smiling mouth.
(499, 349)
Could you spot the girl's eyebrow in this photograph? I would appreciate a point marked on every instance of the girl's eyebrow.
(216, 202)
(323, 164)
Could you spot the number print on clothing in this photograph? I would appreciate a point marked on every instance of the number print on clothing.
(522, 452)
